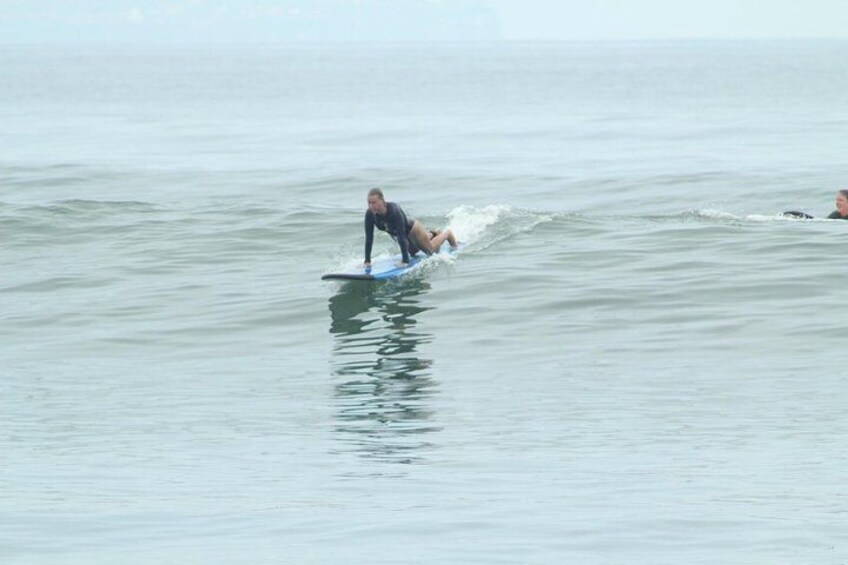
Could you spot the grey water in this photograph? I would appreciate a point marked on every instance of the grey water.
(636, 358)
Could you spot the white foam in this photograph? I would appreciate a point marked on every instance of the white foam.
(716, 215)
(764, 218)
(761, 218)
(468, 223)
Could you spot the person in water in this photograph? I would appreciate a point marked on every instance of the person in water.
(409, 233)
(841, 212)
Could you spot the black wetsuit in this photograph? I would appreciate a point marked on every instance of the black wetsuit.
(395, 223)
(835, 215)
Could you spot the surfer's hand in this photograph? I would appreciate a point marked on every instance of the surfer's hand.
(367, 264)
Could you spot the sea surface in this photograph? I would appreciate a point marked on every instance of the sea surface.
(635, 360)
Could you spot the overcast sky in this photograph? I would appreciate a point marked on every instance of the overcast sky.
(212, 21)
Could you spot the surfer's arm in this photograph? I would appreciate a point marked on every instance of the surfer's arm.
(397, 220)
(404, 246)
(369, 237)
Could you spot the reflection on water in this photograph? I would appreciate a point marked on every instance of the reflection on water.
(382, 397)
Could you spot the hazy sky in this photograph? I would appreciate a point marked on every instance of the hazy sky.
(658, 19)
(210, 21)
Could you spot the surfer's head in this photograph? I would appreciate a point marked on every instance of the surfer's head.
(376, 201)
(842, 202)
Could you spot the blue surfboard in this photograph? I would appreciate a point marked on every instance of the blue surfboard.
(385, 268)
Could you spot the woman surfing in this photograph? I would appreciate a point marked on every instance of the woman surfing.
(408, 232)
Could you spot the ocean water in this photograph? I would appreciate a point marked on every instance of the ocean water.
(635, 360)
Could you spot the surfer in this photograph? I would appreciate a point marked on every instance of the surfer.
(841, 212)
(409, 233)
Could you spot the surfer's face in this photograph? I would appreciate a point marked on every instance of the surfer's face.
(842, 204)
(378, 206)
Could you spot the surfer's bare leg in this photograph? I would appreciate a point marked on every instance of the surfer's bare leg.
(439, 238)
(421, 238)
(430, 242)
